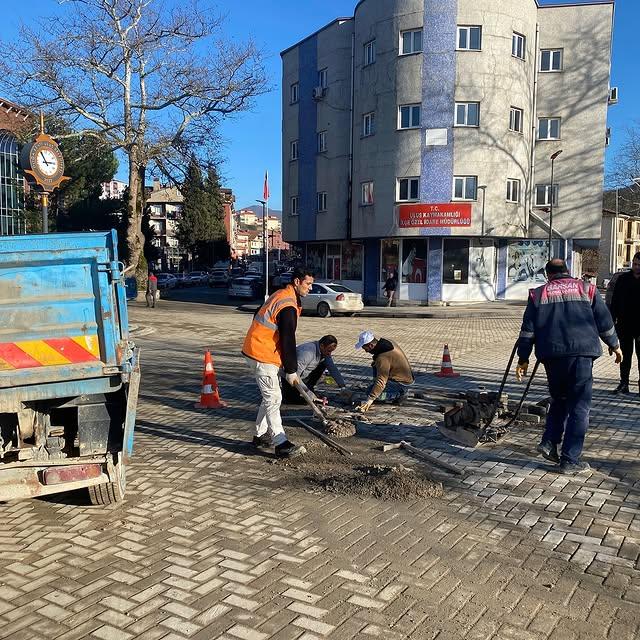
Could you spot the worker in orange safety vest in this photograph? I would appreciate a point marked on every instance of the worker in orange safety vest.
(270, 344)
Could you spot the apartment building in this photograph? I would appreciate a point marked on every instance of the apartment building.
(418, 135)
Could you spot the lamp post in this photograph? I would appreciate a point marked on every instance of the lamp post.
(484, 195)
(265, 244)
(550, 252)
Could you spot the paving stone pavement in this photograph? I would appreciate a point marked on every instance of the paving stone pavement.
(212, 542)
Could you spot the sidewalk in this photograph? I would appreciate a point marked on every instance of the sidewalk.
(493, 310)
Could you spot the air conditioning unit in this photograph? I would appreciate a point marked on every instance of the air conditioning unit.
(318, 93)
(607, 138)
(613, 95)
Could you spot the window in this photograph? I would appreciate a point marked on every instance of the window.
(322, 78)
(293, 206)
(465, 187)
(351, 261)
(367, 193)
(515, 119)
(389, 258)
(548, 128)
(513, 190)
(322, 141)
(551, 60)
(407, 189)
(294, 150)
(295, 91)
(409, 116)
(467, 114)
(518, 42)
(322, 201)
(369, 53)
(410, 42)
(469, 38)
(414, 261)
(455, 261)
(368, 122)
(543, 195)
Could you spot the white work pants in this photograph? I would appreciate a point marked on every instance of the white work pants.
(268, 420)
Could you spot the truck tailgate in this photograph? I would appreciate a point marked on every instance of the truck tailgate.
(60, 311)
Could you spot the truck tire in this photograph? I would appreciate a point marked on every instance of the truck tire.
(110, 492)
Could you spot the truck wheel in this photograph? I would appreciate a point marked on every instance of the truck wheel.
(324, 310)
(110, 492)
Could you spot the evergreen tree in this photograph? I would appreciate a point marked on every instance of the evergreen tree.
(202, 221)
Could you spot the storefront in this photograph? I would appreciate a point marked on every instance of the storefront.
(437, 269)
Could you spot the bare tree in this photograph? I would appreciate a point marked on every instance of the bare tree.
(150, 81)
(623, 181)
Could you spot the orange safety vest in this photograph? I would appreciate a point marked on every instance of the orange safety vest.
(262, 342)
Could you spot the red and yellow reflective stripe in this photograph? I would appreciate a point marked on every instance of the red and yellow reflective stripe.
(48, 353)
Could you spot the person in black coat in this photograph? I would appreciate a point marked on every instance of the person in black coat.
(625, 309)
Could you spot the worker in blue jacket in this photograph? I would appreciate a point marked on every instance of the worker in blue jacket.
(565, 320)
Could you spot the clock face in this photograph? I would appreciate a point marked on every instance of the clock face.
(47, 162)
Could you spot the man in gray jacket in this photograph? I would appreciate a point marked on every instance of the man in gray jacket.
(314, 358)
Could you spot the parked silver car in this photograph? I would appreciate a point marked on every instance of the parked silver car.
(196, 277)
(242, 288)
(219, 278)
(332, 298)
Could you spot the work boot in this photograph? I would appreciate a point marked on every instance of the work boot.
(623, 387)
(573, 468)
(399, 401)
(262, 442)
(549, 451)
(289, 450)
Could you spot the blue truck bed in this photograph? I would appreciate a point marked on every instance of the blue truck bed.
(68, 370)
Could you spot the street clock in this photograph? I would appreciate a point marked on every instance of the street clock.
(42, 161)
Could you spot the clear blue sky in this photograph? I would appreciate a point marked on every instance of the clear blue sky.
(253, 139)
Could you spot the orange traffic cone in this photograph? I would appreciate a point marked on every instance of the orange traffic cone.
(210, 396)
(446, 368)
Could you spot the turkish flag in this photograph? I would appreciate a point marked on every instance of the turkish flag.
(265, 190)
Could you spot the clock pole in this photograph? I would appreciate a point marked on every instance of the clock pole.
(45, 212)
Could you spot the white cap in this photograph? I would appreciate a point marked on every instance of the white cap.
(365, 338)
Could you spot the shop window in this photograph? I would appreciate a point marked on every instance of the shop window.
(351, 261)
(316, 259)
(526, 260)
(390, 258)
(455, 261)
(414, 261)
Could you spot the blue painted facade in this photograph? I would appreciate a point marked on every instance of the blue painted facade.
(371, 268)
(503, 250)
(434, 270)
(307, 139)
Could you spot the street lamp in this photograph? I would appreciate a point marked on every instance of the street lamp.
(265, 244)
(550, 253)
(484, 194)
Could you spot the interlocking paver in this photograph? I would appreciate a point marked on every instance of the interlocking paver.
(211, 544)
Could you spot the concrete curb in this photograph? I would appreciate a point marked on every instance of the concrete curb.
(442, 313)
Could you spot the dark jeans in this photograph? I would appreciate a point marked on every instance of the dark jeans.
(627, 342)
(291, 395)
(570, 385)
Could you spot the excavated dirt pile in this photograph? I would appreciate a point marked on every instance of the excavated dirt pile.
(366, 476)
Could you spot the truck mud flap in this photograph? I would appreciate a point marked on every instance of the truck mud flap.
(132, 404)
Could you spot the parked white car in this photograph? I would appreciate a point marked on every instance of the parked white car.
(196, 277)
(219, 277)
(166, 281)
(331, 298)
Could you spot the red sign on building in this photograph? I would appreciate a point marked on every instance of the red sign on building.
(449, 214)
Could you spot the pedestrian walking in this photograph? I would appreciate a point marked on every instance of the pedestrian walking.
(565, 320)
(392, 373)
(152, 290)
(389, 288)
(270, 345)
(625, 310)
